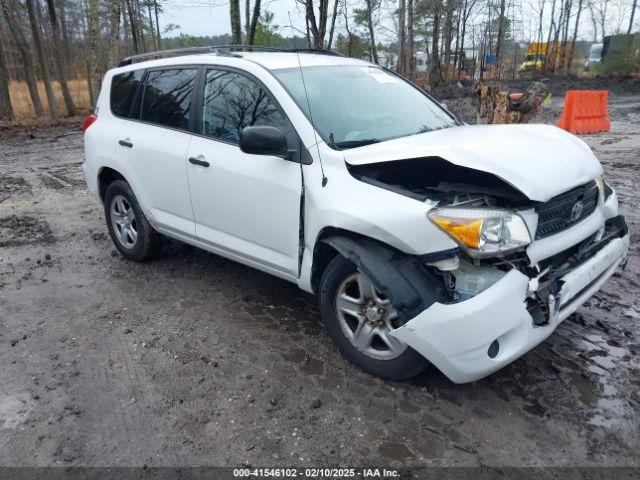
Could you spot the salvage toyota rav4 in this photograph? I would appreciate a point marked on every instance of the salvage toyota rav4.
(426, 240)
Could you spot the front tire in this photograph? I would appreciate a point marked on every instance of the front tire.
(358, 318)
(130, 231)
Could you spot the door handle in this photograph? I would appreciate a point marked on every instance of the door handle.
(125, 143)
(197, 161)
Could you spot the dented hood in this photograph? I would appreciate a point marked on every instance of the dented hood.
(541, 161)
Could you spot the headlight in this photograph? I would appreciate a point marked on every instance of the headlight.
(482, 231)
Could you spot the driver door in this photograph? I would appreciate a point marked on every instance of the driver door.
(246, 207)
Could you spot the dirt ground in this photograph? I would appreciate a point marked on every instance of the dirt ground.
(192, 359)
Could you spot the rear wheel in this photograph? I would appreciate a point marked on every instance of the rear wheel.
(359, 319)
(130, 231)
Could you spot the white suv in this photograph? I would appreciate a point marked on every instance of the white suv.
(426, 240)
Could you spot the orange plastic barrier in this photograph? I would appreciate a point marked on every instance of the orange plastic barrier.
(585, 111)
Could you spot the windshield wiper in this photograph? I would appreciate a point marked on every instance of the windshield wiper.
(356, 143)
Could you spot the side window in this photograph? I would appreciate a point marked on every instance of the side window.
(232, 102)
(166, 99)
(123, 89)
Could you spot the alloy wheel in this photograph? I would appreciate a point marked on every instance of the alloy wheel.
(366, 317)
(123, 221)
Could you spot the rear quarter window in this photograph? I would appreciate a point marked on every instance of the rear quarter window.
(123, 91)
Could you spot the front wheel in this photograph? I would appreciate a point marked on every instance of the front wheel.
(358, 318)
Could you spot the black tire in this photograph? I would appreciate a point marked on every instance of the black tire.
(409, 364)
(148, 242)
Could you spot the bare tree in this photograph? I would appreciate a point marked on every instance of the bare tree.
(550, 48)
(410, 59)
(247, 18)
(575, 36)
(6, 111)
(140, 23)
(539, 34)
(42, 60)
(66, 42)
(594, 23)
(236, 30)
(466, 12)
(60, 59)
(114, 34)
(156, 9)
(601, 9)
(133, 27)
(27, 61)
(447, 34)
(254, 22)
(633, 12)
(317, 25)
(372, 36)
(349, 32)
(459, 7)
(501, 25)
(333, 24)
(553, 49)
(152, 27)
(435, 75)
(402, 39)
(94, 33)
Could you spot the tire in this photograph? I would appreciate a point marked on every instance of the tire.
(399, 363)
(130, 231)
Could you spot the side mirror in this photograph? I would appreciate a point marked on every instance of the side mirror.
(264, 140)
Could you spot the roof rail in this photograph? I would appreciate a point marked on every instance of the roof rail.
(170, 53)
(225, 50)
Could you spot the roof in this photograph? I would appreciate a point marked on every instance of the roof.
(280, 60)
(269, 60)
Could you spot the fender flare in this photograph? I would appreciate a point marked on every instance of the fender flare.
(402, 278)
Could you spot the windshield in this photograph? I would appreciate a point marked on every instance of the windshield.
(534, 57)
(355, 105)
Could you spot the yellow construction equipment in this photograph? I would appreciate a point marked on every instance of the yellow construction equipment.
(543, 56)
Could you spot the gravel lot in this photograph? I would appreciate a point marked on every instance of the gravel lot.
(195, 360)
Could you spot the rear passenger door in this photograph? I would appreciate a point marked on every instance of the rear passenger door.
(153, 145)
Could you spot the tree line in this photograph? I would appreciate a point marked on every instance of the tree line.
(50, 43)
(58, 41)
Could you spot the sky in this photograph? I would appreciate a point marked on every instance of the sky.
(211, 17)
(202, 17)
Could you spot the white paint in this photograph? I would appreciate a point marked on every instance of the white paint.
(539, 160)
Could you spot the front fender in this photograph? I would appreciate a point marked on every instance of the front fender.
(402, 278)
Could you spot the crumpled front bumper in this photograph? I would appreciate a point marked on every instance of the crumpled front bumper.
(456, 337)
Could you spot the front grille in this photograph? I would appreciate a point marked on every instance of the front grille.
(563, 211)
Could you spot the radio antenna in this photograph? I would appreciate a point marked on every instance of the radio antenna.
(306, 95)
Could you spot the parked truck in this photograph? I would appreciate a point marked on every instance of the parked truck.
(595, 55)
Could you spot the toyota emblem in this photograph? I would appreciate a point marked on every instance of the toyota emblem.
(576, 211)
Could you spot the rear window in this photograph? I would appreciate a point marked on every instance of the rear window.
(167, 97)
(123, 89)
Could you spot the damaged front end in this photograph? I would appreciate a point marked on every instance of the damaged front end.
(520, 269)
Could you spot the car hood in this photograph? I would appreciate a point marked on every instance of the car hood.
(541, 161)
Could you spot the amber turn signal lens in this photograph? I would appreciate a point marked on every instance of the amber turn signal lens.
(465, 231)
